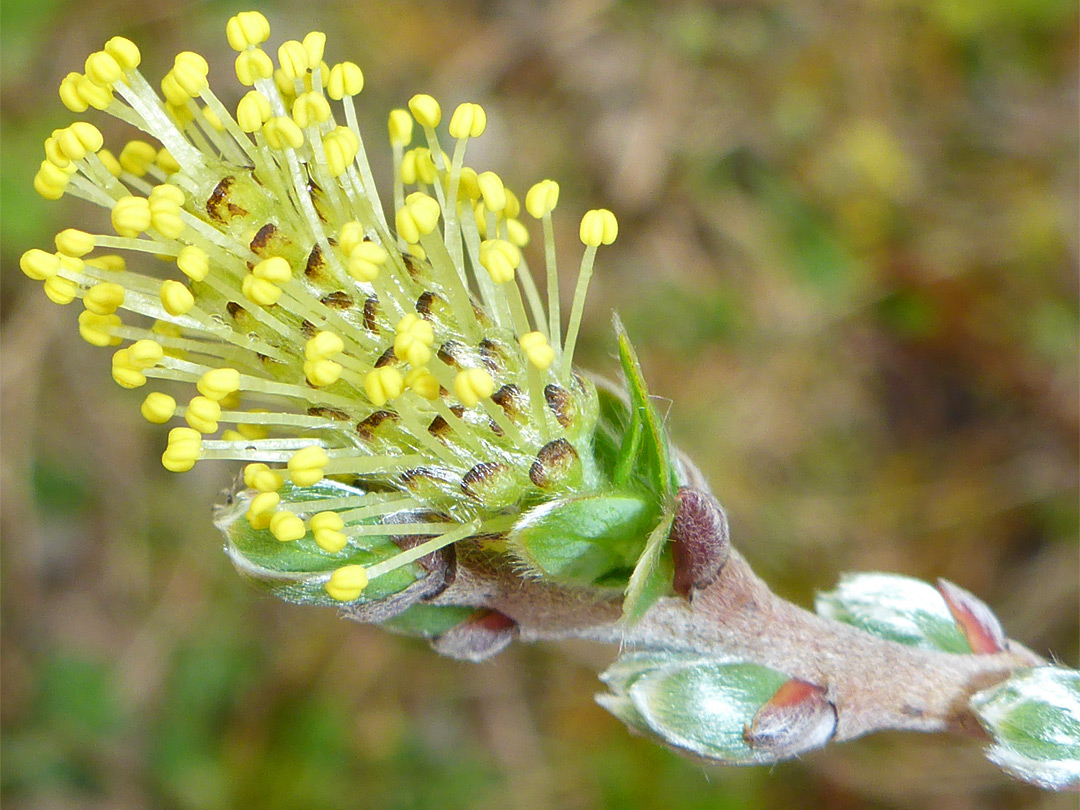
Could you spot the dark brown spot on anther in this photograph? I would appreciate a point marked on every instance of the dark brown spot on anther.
(457, 410)
(309, 329)
(439, 427)
(699, 540)
(316, 263)
(412, 264)
(561, 404)
(260, 243)
(475, 480)
(554, 463)
(371, 424)
(218, 205)
(240, 316)
(498, 431)
(233, 308)
(492, 355)
(318, 200)
(387, 358)
(509, 398)
(338, 299)
(449, 352)
(371, 313)
(328, 413)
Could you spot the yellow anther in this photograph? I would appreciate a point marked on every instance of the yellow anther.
(112, 165)
(417, 166)
(176, 298)
(137, 157)
(513, 205)
(420, 216)
(542, 198)
(310, 109)
(293, 59)
(284, 85)
(400, 126)
(247, 430)
(158, 408)
(315, 45)
(167, 191)
(537, 349)
(39, 264)
(246, 29)
(283, 133)
(423, 382)
(599, 227)
(260, 509)
(468, 121)
(413, 340)
(124, 51)
(53, 153)
(517, 233)
(131, 216)
(185, 445)
(167, 329)
(383, 384)
(350, 236)
(190, 70)
(341, 147)
(193, 262)
(346, 79)
(306, 466)
(366, 260)
(176, 96)
(323, 346)
(124, 373)
(79, 140)
(347, 583)
(166, 162)
(468, 185)
(95, 329)
(104, 298)
(321, 373)
(260, 291)
(219, 383)
(275, 269)
(60, 291)
(287, 527)
(70, 95)
(472, 385)
(202, 413)
(75, 243)
(111, 262)
(212, 119)
(326, 527)
(253, 65)
(102, 69)
(145, 353)
(500, 258)
(51, 180)
(493, 191)
(166, 215)
(425, 110)
(97, 97)
(262, 478)
(253, 111)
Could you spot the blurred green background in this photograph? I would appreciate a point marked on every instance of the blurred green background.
(848, 257)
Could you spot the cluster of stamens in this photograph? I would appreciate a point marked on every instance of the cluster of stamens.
(322, 337)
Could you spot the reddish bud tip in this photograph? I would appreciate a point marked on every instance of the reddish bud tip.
(797, 718)
(977, 622)
(482, 635)
(699, 537)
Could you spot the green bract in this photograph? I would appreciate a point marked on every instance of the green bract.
(1034, 718)
(899, 608)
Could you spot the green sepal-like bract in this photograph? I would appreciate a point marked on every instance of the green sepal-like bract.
(1034, 718)
(707, 707)
(298, 570)
(899, 608)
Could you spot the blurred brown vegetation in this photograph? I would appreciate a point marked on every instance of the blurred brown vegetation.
(848, 257)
